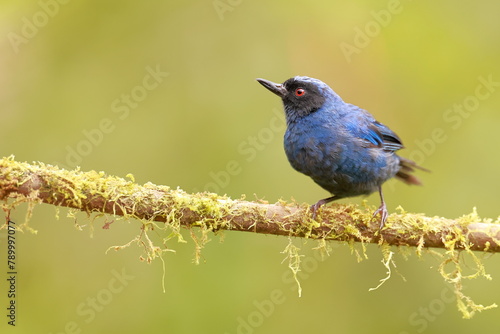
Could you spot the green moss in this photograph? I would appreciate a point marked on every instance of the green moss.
(293, 256)
(210, 213)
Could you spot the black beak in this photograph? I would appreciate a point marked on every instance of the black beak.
(277, 89)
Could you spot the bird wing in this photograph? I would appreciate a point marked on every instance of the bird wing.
(390, 140)
(375, 134)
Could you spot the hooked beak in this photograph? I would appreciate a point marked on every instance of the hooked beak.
(277, 89)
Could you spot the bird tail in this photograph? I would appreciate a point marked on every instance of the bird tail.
(406, 168)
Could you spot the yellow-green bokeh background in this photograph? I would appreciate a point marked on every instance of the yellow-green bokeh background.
(63, 80)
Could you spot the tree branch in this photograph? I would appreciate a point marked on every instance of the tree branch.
(96, 192)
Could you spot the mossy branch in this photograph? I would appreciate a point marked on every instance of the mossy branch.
(96, 192)
(170, 209)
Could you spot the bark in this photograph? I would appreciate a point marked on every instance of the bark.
(96, 192)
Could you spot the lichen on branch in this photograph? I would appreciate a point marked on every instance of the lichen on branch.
(170, 209)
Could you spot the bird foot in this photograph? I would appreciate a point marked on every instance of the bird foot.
(382, 210)
(314, 208)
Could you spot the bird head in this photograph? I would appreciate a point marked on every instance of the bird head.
(301, 95)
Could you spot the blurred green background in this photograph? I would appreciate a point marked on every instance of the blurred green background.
(166, 91)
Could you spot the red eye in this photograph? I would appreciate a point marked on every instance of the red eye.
(300, 92)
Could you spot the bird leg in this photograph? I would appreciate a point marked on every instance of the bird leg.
(382, 209)
(315, 207)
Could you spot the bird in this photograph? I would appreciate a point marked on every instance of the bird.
(339, 145)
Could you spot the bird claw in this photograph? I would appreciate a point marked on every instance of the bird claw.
(382, 210)
(314, 208)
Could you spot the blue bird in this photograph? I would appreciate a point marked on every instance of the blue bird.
(339, 145)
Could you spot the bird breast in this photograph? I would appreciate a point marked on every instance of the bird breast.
(336, 160)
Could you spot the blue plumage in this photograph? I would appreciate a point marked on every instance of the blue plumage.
(339, 145)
